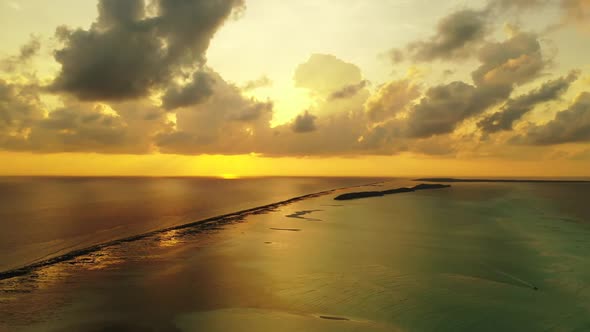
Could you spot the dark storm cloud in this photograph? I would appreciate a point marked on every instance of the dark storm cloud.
(114, 65)
(113, 13)
(461, 33)
(198, 89)
(304, 123)
(444, 107)
(514, 61)
(225, 122)
(131, 51)
(503, 65)
(395, 122)
(126, 54)
(568, 126)
(349, 90)
(455, 35)
(516, 108)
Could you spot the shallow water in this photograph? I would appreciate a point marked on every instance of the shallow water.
(474, 257)
(46, 217)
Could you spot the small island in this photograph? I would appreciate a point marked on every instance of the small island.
(366, 194)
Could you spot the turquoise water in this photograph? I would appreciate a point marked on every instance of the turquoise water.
(474, 257)
(463, 260)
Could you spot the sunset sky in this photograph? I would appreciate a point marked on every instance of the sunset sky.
(265, 87)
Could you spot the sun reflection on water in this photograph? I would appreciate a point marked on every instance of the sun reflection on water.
(169, 239)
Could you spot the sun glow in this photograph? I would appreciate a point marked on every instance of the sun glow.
(229, 176)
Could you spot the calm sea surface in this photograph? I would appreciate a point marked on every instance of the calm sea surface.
(45, 217)
(472, 257)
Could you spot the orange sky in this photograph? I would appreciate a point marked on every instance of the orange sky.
(260, 87)
(247, 165)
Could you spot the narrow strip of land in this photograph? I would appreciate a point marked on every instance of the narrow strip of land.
(194, 227)
(366, 194)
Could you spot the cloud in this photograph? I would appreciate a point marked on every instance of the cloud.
(20, 108)
(456, 36)
(444, 107)
(391, 99)
(568, 126)
(514, 109)
(336, 133)
(223, 122)
(324, 73)
(126, 54)
(338, 122)
(391, 137)
(460, 34)
(304, 123)
(515, 61)
(577, 12)
(90, 127)
(27, 52)
(76, 126)
(254, 111)
(336, 86)
(396, 55)
(229, 123)
(30, 49)
(197, 90)
(349, 90)
(261, 82)
(226, 122)
(113, 73)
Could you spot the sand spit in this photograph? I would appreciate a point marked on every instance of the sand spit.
(366, 194)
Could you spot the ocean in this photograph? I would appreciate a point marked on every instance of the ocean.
(472, 257)
(44, 217)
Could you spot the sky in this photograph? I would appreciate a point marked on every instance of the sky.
(313, 88)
